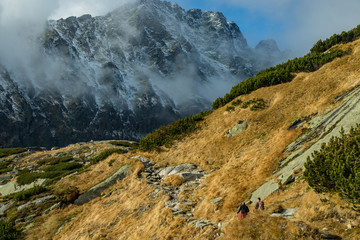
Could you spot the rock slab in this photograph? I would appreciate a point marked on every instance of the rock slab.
(96, 190)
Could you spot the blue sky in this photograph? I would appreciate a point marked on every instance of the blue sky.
(254, 26)
(294, 24)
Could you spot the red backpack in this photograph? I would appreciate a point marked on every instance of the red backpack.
(262, 207)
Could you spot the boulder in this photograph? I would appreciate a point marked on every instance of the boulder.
(216, 200)
(5, 207)
(289, 179)
(43, 199)
(96, 190)
(182, 167)
(265, 190)
(286, 213)
(165, 171)
(330, 236)
(237, 129)
(222, 226)
(30, 218)
(36, 202)
(55, 206)
(188, 176)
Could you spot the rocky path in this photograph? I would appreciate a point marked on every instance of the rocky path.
(181, 202)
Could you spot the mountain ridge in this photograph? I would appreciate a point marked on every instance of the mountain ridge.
(128, 66)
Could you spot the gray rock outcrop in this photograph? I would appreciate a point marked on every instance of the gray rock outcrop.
(96, 190)
(237, 129)
(13, 187)
(5, 206)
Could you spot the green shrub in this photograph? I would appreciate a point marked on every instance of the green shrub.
(4, 167)
(24, 195)
(258, 104)
(63, 166)
(121, 143)
(255, 103)
(236, 102)
(27, 177)
(336, 166)
(279, 74)
(4, 170)
(4, 152)
(7, 231)
(230, 108)
(54, 161)
(165, 135)
(111, 162)
(103, 155)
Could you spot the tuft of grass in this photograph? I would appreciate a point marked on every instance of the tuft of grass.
(173, 180)
(4, 152)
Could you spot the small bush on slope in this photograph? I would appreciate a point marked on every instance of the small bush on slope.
(336, 167)
(7, 231)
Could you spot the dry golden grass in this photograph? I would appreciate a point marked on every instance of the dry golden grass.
(173, 180)
(241, 163)
(96, 173)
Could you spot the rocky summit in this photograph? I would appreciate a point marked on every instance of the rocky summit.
(122, 75)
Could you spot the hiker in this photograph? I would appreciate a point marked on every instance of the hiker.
(243, 210)
(259, 205)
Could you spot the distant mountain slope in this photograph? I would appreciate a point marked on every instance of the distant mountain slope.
(124, 74)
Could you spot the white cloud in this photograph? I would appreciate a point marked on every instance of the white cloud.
(79, 7)
(21, 22)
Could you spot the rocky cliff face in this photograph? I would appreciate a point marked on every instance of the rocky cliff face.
(124, 74)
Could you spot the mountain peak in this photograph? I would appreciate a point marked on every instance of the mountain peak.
(142, 65)
(267, 45)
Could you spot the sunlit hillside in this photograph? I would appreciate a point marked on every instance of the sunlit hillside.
(217, 174)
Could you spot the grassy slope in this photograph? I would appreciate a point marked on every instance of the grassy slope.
(242, 164)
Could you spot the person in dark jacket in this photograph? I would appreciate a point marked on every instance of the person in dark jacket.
(243, 210)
